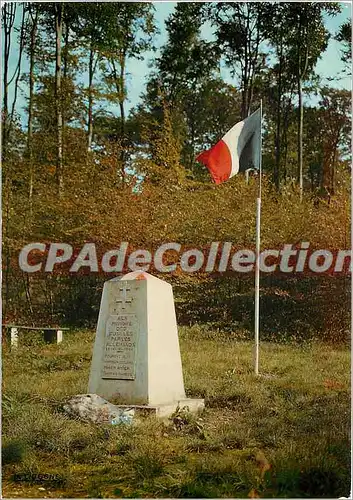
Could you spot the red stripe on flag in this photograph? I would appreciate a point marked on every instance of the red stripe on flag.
(218, 161)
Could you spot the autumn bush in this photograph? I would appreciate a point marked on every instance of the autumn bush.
(194, 214)
(85, 161)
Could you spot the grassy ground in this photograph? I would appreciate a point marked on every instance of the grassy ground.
(284, 434)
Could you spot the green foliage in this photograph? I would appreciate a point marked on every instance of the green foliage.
(186, 59)
(240, 31)
(297, 309)
(345, 35)
(193, 214)
(163, 164)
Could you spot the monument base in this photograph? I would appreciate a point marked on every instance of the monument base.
(166, 410)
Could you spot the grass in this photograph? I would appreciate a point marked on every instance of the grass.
(283, 434)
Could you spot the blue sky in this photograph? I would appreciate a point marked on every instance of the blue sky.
(329, 65)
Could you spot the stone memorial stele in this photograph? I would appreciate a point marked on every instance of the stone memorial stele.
(136, 356)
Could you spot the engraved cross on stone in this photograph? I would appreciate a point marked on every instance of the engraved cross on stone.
(124, 300)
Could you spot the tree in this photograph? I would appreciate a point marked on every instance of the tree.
(336, 128)
(186, 61)
(199, 118)
(128, 34)
(344, 35)
(279, 83)
(163, 149)
(308, 39)
(210, 113)
(17, 72)
(187, 69)
(58, 9)
(92, 18)
(33, 27)
(326, 137)
(8, 20)
(240, 30)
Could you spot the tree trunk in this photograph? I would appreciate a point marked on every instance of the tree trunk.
(122, 117)
(244, 110)
(334, 163)
(301, 72)
(333, 173)
(9, 12)
(253, 60)
(30, 104)
(311, 172)
(59, 7)
(330, 165)
(300, 136)
(7, 43)
(6, 246)
(18, 69)
(192, 141)
(65, 72)
(119, 85)
(285, 157)
(325, 171)
(244, 99)
(90, 97)
(286, 119)
(27, 286)
(65, 52)
(278, 128)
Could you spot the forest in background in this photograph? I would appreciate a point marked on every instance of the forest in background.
(77, 172)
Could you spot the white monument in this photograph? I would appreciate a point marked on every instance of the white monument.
(136, 357)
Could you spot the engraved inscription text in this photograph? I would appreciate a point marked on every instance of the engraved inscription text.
(120, 346)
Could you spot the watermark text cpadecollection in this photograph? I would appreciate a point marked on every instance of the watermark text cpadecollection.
(169, 257)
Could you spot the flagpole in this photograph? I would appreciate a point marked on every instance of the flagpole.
(257, 257)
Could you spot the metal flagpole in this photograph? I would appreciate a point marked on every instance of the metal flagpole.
(257, 257)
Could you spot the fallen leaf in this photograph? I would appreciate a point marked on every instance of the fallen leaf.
(332, 384)
(262, 462)
(253, 494)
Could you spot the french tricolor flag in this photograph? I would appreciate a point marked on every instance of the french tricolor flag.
(237, 151)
